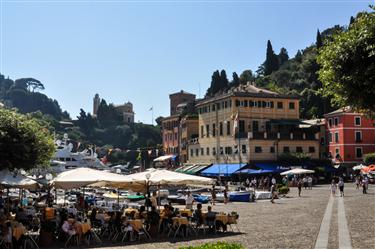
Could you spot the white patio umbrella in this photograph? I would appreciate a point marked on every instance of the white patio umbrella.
(82, 177)
(16, 180)
(297, 171)
(167, 177)
(359, 167)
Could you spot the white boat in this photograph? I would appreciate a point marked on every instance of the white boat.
(86, 158)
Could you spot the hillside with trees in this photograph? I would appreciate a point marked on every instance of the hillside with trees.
(298, 75)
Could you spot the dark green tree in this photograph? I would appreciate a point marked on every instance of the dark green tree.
(246, 76)
(235, 80)
(25, 142)
(319, 41)
(215, 84)
(283, 56)
(298, 56)
(348, 65)
(272, 62)
(224, 82)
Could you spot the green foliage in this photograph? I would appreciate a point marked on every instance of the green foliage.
(283, 56)
(348, 65)
(319, 40)
(369, 158)
(293, 158)
(236, 80)
(25, 142)
(21, 94)
(219, 83)
(283, 190)
(246, 76)
(271, 63)
(218, 245)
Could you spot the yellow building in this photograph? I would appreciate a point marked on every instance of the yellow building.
(250, 124)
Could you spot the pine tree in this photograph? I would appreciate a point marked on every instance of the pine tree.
(298, 56)
(319, 41)
(283, 56)
(236, 80)
(352, 19)
(272, 62)
(224, 82)
(215, 84)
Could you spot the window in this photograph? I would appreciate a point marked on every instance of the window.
(271, 104)
(311, 149)
(213, 130)
(202, 131)
(208, 130)
(225, 104)
(358, 152)
(299, 149)
(336, 121)
(208, 151)
(357, 121)
(336, 137)
(196, 152)
(322, 141)
(330, 137)
(244, 149)
(245, 103)
(213, 107)
(228, 128)
(166, 137)
(214, 151)
(358, 136)
(255, 126)
(221, 128)
(258, 149)
(237, 103)
(286, 149)
(221, 151)
(291, 105)
(228, 150)
(191, 152)
(236, 149)
(280, 105)
(202, 152)
(272, 149)
(330, 122)
(259, 103)
(337, 153)
(241, 126)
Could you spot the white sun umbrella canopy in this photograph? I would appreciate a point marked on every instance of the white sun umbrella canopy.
(10, 179)
(167, 177)
(82, 177)
(297, 171)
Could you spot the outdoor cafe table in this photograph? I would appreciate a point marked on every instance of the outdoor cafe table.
(186, 212)
(136, 224)
(222, 218)
(18, 231)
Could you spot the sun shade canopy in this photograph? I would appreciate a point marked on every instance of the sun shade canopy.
(15, 180)
(222, 169)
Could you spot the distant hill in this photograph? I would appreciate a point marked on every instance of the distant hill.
(24, 95)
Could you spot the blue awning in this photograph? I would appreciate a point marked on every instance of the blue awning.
(224, 170)
(255, 172)
(271, 167)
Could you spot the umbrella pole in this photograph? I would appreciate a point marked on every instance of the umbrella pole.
(8, 200)
(84, 206)
(64, 197)
(118, 198)
(158, 197)
(55, 195)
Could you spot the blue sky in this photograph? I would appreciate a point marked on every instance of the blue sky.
(142, 51)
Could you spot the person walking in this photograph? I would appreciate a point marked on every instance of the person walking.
(273, 193)
(310, 182)
(213, 195)
(364, 186)
(341, 186)
(304, 182)
(226, 195)
(333, 188)
(299, 186)
(189, 201)
(357, 182)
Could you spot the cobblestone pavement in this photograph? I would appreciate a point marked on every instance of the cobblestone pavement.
(292, 222)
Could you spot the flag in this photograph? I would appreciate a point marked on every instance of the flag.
(235, 124)
(151, 109)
